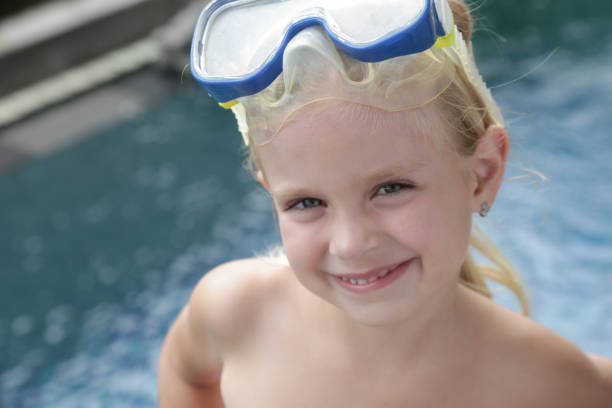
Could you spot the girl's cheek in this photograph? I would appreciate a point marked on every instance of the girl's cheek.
(415, 225)
(298, 238)
(304, 243)
(410, 217)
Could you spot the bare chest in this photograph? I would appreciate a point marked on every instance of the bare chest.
(301, 383)
(310, 382)
(296, 373)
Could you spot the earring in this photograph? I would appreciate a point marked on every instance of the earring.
(484, 209)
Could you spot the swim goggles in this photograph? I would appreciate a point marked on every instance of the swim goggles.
(238, 45)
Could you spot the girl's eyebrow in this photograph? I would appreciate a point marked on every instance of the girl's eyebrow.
(395, 171)
(288, 191)
(285, 192)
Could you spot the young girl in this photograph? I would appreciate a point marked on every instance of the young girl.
(370, 127)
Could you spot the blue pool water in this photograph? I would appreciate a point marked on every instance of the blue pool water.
(101, 244)
(559, 232)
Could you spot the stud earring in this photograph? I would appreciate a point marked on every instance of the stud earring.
(484, 209)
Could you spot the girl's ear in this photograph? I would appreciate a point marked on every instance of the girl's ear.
(489, 163)
(262, 180)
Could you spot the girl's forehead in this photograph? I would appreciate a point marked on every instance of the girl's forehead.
(337, 133)
(425, 125)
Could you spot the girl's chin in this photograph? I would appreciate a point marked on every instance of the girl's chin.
(380, 314)
(377, 317)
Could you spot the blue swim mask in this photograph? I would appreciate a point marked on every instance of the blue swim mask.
(266, 59)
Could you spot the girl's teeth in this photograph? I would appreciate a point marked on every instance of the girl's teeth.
(369, 280)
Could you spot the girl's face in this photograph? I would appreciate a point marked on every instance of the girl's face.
(374, 208)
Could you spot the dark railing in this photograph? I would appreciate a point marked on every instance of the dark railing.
(8, 7)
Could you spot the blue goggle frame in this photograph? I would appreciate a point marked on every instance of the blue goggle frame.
(424, 33)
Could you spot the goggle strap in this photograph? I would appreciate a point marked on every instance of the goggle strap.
(228, 105)
(446, 41)
(240, 114)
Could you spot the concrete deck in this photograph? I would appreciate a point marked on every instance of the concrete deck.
(69, 122)
(134, 54)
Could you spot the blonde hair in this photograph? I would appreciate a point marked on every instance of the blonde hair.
(466, 112)
(468, 115)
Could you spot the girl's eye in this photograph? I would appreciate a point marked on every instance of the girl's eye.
(305, 204)
(391, 188)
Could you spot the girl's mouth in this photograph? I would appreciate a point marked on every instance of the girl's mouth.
(372, 281)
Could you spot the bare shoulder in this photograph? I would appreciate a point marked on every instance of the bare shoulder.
(540, 368)
(604, 368)
(226, 303)
(563, 375)
(231, 296)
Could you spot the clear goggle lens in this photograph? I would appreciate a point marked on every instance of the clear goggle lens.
(228, 52)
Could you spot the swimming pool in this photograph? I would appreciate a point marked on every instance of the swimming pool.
(102, 243)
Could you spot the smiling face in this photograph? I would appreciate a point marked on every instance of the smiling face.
(374, 208)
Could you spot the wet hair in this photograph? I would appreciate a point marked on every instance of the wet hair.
(466, 113)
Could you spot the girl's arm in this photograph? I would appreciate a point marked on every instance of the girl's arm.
(188, 368)
(220, 312)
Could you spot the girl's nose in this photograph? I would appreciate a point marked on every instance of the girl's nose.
(353, 236)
